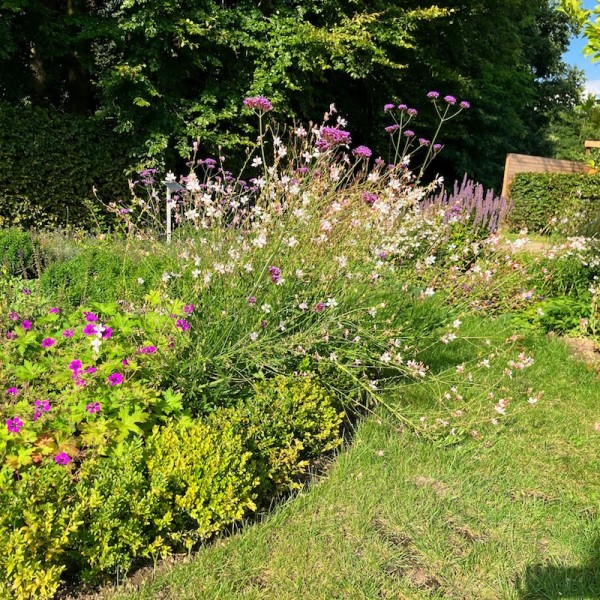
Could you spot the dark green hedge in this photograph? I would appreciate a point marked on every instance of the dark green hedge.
(49, 163)
(539, 197)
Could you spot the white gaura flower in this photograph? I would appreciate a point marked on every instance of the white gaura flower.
(254, 336)
(266, 308)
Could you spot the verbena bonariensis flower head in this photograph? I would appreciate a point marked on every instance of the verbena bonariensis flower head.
(370, 198)
(362, 152)
(433, 94)
(402, 107)
(450, 99)
(465, 104)
(409, 133)
(413, 112)
(332, 136)
(258, 103)
(388, 107)
(392, 128)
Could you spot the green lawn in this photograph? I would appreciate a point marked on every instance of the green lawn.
(513, 513)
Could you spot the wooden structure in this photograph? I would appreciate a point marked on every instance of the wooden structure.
(522, 163)
(591, 145)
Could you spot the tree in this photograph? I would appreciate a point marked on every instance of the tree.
(589, 21)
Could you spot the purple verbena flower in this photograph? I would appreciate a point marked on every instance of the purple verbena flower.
(275, 274)
(433, 94)
(370, 198)
(331, 136)
(259, 103)
(402, 107)
(413, 112)
(362, 152)
(465, 104)
(392, 128)
(388, 107)
(437, 147)
(424, 142)
(450, 100)
(409, 133)
(320, 307)
(115, 379)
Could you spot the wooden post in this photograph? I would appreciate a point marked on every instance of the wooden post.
(589, 144)
(506, 181)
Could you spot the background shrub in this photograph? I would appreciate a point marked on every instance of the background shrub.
(50, 164)
(16, 252)
(540, 201)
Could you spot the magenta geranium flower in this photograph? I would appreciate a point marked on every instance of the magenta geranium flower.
(93, 407)
(68, 333)
(75, 365)
(90, 330)
(91, 370)
(115, 379)
(188, 309)
(26, 325)
(26, 291)
(107, 333)
(147, 350)
(13, 316)
(41, 406)
(90, 317)
(12, 391)
(14, 425)
(182, 324)
(62, 459)
(48, 342)
(54, 310)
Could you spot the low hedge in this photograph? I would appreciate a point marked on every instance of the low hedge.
(185, 481)
(52, 162)
(541, 200)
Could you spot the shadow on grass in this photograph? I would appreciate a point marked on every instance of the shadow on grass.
(550, 582)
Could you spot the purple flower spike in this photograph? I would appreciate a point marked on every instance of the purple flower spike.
(259, 103)
(14, 425)
(450, 100)
(62, 459)
(362, 152)
(115, 379)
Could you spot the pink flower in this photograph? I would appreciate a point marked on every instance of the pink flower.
(48, 342)
(107, 333)
(93, 407)
(388, 107)
(182, 324)
(465, 104)
(13, 316)
(14, 425)
(12, 391)
(90, 330)
(90, 317)
(26, 325)
(251, 300)
(259, 103)
(115, 379)
(320, 307)
(62, 459)
(68, 333)
(275, 274)
(434, 95)
(450, 100)
(188, 309)
(54, 311)
(362, 152)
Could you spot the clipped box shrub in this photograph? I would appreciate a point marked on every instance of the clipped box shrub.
(51, 162)
(551, 202)
(287, 422)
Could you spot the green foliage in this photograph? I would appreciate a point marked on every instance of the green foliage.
(562, 315)
(288, 421)
(51, 165)
(102, 273)
(16, 252)
(545, 201)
